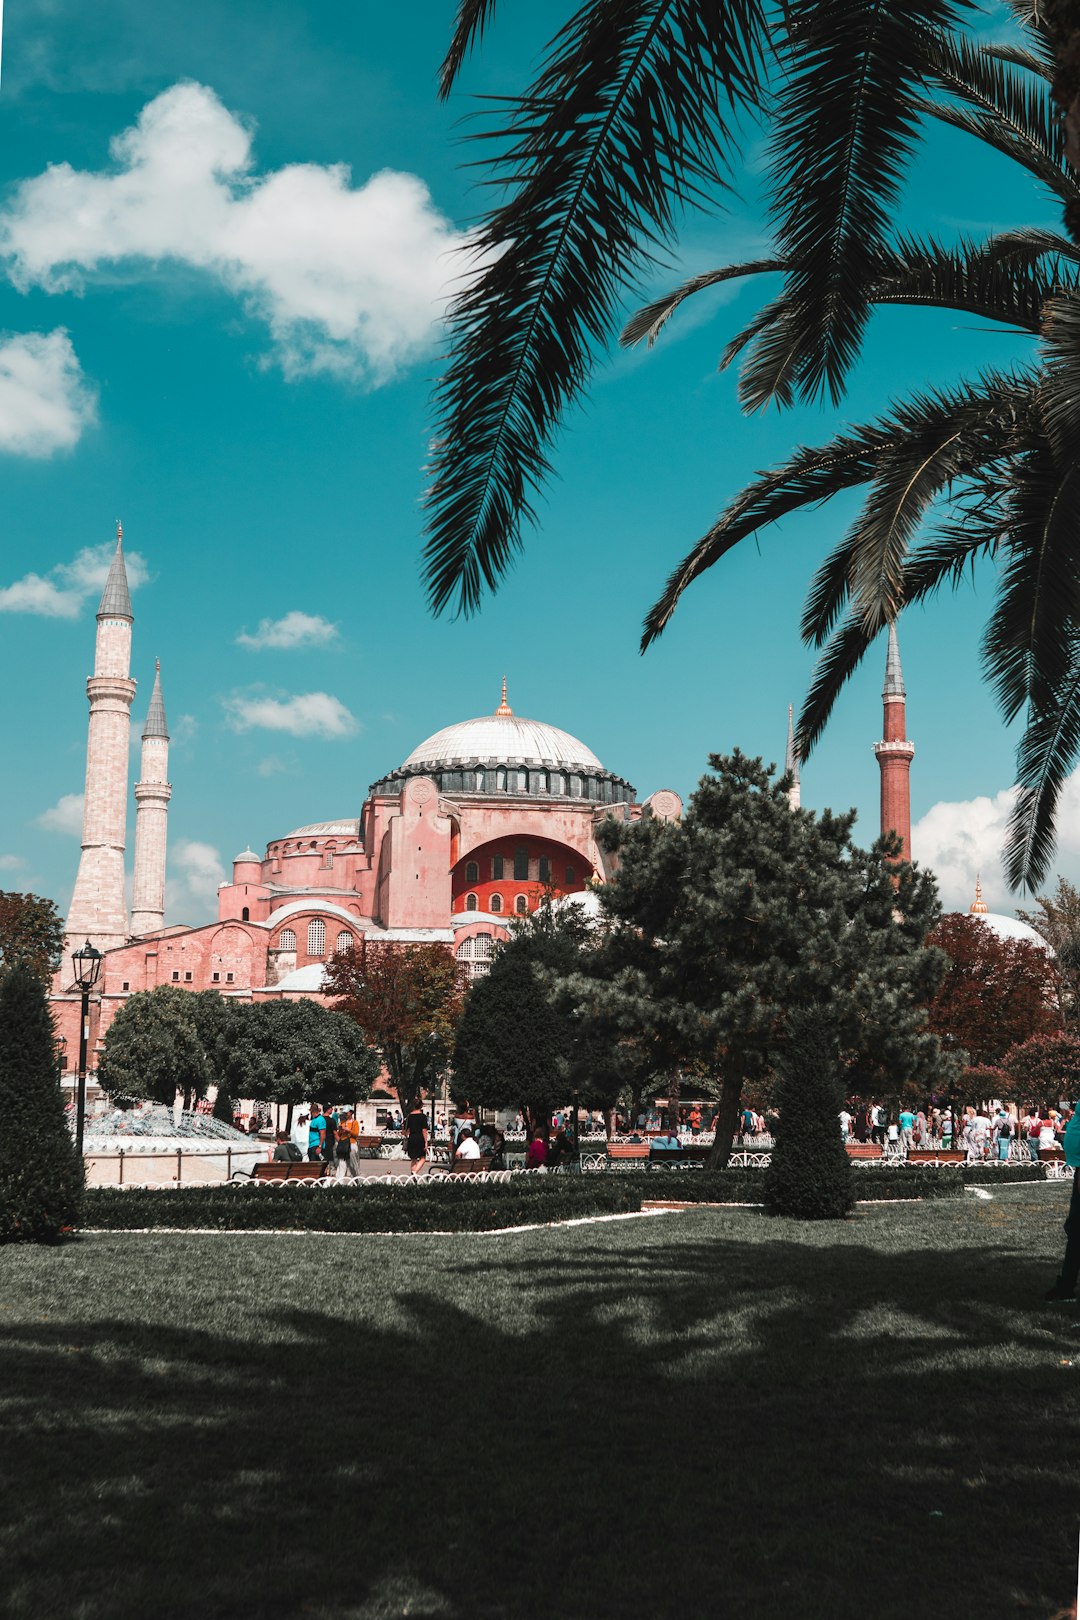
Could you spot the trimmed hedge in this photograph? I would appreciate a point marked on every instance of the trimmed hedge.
(989, 1175)
(448, 1205)
(739, 1186)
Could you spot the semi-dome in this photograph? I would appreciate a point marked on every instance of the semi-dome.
(326, 829)
(506, 753)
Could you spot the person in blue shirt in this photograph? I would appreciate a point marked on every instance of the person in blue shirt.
(316, 1132)
(1065, 1286)
(907, 1129)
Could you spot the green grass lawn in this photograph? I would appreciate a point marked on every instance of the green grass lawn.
(711, 1413)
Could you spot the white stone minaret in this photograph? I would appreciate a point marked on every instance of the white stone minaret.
(791, 764)
(97, 910)
(152, 795)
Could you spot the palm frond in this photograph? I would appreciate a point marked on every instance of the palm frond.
(650, 321)
(965, 277)
(1027, 644)
(472, 18)
(1016, 56)
(1028, 245)
(843, 654)
(981, 417)
(844, 130)
(1003, 96)
(1059, 391)
(1057, 179)
(628, 121)
(1030, 16)
(1048, 751)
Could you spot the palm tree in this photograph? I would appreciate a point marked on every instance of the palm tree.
(992, 464)
(636, 113)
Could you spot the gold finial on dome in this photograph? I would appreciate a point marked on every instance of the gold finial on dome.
(504, 707)
(979, 907)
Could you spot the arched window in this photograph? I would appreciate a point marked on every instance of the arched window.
(245, 915)
(521, 905)
(470, 902)
(286, 940)
(544, 871)
(497, 868)
(344, 941)
(496, 902)
(472, 872)
(316, 937)
(521, 866)
(475, 953)
(571, 874)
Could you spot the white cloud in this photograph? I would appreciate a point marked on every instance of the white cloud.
(11, 863)
(65, 816)
(272, 765)
(45, 401)
(349, 279)
(61, 593)
(195, 871)
(964, 839)
(294, 630)
(308, 714)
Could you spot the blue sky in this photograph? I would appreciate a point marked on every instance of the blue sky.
(225, 230)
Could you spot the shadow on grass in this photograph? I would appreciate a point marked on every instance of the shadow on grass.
(661, 1419)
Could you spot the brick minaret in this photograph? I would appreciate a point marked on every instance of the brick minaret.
(152, 795)
(98, 912)
(894, 753)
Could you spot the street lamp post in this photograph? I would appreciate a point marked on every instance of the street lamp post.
(87, 964)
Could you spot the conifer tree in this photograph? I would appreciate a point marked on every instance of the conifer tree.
(723, 924)
(41, 1179)
(809, 1175)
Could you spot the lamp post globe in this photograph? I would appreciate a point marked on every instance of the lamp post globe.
(87, 964)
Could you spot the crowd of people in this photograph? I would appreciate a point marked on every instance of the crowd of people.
(991, 1130)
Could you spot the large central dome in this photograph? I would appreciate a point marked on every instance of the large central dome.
(503, 737)
(505, 753)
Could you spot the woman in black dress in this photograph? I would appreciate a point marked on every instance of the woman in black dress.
(416, 1139)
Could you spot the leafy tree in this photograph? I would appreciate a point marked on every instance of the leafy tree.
(1046, 1067)
(809, 1173)
(982, 1080)
(41, 1178)
(994, 993)
(746, 911)
(1057, 918)
(522, 1042)
(31, 932)
(407, 1000)
(296, 1051)
(153, 1049)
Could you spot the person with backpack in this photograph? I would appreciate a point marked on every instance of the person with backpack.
(343, 1146)
(1064, 1287)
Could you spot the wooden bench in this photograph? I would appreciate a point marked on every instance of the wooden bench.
(291, 1170)
(369, 1147)
(628, 1150)
(470, 1167)
(863, 1150)
(936, 1156)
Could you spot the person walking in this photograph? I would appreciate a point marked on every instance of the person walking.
(1003, 1130)
(907, 1130)
(1032, 1127)
(1064, 1287)
(416, 1138)
(316, 1131)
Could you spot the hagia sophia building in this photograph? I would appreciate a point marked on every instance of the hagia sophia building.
(472, 829)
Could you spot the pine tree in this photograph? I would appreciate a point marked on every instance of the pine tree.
(809, 1176)
(41, 1179)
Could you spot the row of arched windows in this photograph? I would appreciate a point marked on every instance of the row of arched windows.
(521, 869)
(316, 939)
(495, 903)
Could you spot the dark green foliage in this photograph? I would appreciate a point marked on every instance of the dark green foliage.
(521, 1042)
(297, 1051)
(31, 932)
(809, 1175)
(870, 1183)
(41, 1179)
(169, 1039)
(722, 922)
(447, 1205)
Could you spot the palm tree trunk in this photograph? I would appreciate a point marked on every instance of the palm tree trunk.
(1063, 23)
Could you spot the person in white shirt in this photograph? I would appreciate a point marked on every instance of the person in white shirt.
(468, 1147)
(845, 1124)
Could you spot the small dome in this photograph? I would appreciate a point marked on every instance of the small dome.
(326, 829)
(307, 979)
(248, 855)
(1009, 928)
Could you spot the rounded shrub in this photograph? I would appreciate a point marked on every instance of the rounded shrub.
(809, 1176)
(41, 1178)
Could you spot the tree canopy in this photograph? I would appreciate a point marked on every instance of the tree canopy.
(153, 1049)
(522, 1042)
(1057, 918)
(297, 1051)
(406, 1000)
(746, 911)
(31, 932)
(41, 1177)
(994, 993)
(1046, 1068)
